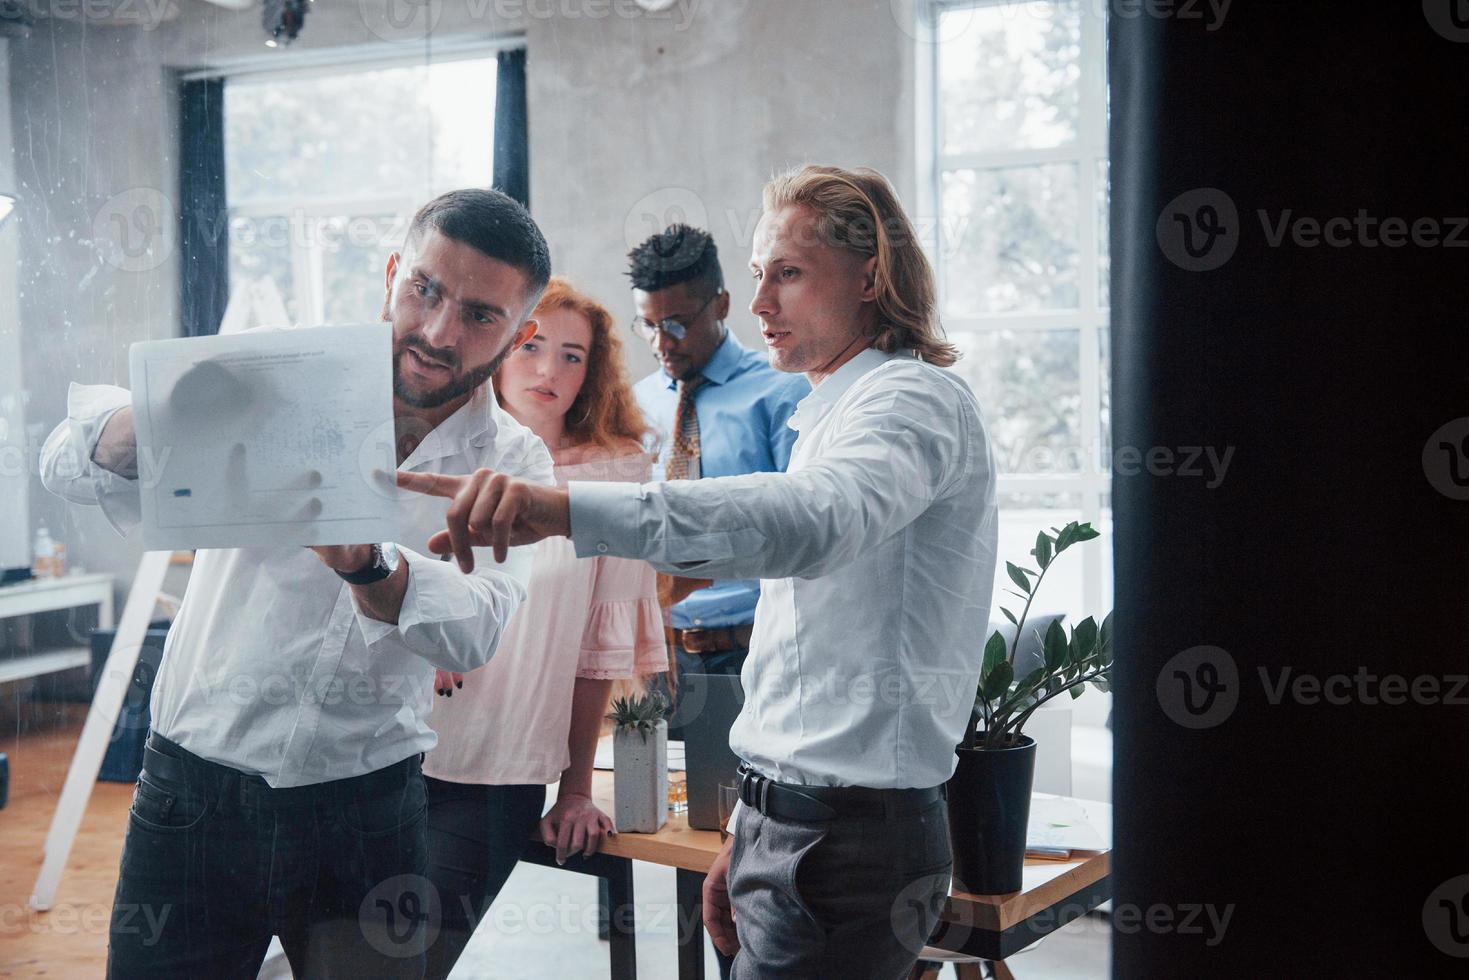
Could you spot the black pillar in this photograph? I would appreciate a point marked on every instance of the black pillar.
(1326, 353)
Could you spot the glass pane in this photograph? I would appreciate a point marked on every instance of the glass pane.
(260, 260)
(354, 258)
(1022, 517)
(1009, 76)
(1029, 388)
(400, 132)
(1104, 243)
(1104, 388)
(1017, 240)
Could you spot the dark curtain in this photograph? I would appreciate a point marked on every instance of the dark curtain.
(203, 219)
(1337, 542)
(512, 134)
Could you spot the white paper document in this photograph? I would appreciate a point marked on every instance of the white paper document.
(1060, 823)
(266, 438)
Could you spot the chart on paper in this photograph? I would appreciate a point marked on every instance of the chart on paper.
(266, 438)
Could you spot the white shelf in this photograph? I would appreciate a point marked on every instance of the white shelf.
(49, 594)
(43, 662)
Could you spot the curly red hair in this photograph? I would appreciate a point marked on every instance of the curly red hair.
(604, 413)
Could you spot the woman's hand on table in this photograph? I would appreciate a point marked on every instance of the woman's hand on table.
(575, 824)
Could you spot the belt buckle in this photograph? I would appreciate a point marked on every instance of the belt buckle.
(754, 789)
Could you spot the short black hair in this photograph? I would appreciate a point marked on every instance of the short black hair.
(493, 224)
(677, 254)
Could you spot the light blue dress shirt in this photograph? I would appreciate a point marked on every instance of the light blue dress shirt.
(743, 412)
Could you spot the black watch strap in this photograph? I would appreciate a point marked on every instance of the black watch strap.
(376, 569)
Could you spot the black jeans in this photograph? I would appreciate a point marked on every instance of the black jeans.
(476, 834)
(216, 862)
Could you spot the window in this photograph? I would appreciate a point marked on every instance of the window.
(323, 172)
(1019, 185)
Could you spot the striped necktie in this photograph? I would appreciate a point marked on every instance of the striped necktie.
(683, 458)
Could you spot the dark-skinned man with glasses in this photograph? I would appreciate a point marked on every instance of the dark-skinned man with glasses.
(721, 410)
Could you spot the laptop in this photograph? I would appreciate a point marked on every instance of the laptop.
(707, 706)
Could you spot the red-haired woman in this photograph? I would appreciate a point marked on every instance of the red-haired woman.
(532, 715)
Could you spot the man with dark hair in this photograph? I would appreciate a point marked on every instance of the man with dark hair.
(721, 410)
(281, 790)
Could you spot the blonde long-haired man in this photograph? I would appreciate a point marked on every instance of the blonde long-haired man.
(876, 551)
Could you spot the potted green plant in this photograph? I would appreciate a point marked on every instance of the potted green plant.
(639, 763)
(989, 794)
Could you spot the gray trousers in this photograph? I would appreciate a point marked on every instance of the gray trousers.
(840, 899)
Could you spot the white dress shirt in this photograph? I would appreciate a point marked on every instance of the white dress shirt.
(876, 551)
(271, 667)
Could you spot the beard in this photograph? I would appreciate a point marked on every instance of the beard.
(457, 385)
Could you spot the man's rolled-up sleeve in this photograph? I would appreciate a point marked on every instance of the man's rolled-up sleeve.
(67, 469)
(452, 620)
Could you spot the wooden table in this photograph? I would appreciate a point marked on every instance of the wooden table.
(992, 927)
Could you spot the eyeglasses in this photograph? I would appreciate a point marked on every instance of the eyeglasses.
(676, 329)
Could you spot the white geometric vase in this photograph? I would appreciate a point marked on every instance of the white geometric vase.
(640, 779)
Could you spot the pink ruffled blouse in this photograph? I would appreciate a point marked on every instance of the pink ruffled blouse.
(591, 617)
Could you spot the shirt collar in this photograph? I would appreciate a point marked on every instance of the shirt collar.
(722, 363)
(475, 423)
(824, 396)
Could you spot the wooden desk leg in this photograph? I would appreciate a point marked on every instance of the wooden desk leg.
(690, 917)
(621, 945)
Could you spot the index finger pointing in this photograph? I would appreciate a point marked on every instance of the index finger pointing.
(433, 484)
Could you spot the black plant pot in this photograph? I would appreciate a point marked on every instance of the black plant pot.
(989, 805)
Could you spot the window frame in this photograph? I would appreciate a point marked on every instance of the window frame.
(306, 251)
(1088, 152)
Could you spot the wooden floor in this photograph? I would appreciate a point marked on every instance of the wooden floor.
(71, 939)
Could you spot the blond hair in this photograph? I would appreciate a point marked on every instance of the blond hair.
(858, 210)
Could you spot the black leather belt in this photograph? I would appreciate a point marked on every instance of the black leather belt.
(172, 763)
(710, 640)
(787, 801)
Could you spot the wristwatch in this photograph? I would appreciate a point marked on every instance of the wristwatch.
(384, 562)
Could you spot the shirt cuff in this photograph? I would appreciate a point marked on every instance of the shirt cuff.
(422, 572)
(88, 410)
(605, 519)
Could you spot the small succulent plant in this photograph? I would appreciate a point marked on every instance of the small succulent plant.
(640, 713)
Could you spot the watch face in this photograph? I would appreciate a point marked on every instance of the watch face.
(391, 557)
